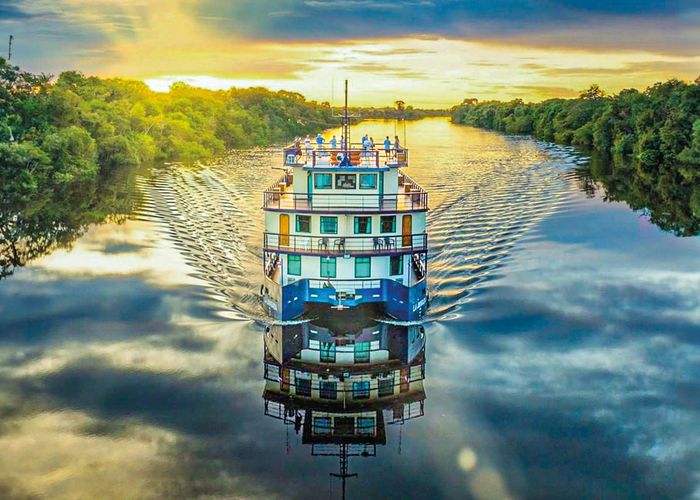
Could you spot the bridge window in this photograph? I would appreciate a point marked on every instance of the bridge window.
(346, 181)
(303, 223)
(388, 224)
(363, 225)
(395, 265)
(323, 181)
(327, 267)
(363, 267)
(294, 265)
(368, 181)
(329, 225)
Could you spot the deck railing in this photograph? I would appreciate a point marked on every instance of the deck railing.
(333, 202)
(359, 156)
(346, 245)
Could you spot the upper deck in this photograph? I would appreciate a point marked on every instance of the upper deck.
(325, 156)
(406, 196)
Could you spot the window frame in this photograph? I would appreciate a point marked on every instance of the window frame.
(363, 261)
(384, 218)
(326, 388)
(392, 258)
(297, 226)
(345, 177)
(326, 218)
(297, 259)
(325, 262)
(360, 389)
(356, 225)
(374, 182)
(317, 176)
(385, 387)
(303, 386)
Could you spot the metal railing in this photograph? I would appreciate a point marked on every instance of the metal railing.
(332, 202)
(359, 156)
(345, 285)
(346, 245)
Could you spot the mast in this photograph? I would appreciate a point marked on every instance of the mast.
(343, 474)
(346, 123)
(9, 48)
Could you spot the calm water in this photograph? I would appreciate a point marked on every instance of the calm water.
(562, 356)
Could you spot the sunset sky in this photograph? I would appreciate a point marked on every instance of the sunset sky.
(429, 53)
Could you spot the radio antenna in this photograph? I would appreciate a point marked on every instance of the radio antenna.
(9, 48)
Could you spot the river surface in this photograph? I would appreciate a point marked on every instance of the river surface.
(562, 352)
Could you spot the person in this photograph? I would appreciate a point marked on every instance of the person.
(387, 146)
(334, 142)
(397, 146)
(307, 146)
(319, 141)
(365, 138)
(342, 143)
(297, 149)
(371, 143)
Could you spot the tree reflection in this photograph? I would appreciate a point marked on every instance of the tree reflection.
(669, 197)
(49, 220)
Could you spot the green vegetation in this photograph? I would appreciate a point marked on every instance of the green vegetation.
(650, 140)
(66, 146)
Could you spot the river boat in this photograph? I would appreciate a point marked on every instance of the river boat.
(345, 227)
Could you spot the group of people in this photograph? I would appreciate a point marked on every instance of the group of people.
(367, 144)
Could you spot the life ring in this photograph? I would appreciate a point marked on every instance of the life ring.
(340, 157)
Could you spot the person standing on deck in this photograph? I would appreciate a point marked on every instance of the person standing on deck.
(387, 147)
(334, 143)
(307, 146)
(319, 141)
(397, 146)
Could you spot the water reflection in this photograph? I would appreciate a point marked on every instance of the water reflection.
(340, 391)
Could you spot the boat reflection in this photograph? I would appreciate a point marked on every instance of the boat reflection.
(340, 391)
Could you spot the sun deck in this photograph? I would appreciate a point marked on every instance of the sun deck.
(357, 156)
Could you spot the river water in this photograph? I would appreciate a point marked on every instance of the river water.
(562, 351)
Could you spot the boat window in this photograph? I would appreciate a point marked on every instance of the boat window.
(303, 387)
(395, 265)
(329, 225)
(363, 225)
(363, 267)
(294, 265)
(362, 352)
(360, 390)
(327, 267)
(303, 223)
(365, 426)
(388, 224)
(328, 390)
(368, 181)
(322, 425)
(323, 181)
(345, 181)
(386, 387)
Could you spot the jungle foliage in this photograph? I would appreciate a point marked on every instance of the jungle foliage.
(650, 140)
(65, 145)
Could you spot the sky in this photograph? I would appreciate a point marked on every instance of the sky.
(429, 53)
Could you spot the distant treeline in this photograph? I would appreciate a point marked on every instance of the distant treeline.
(65, 145)
(651, 140)
(660, 126)
(389, 113)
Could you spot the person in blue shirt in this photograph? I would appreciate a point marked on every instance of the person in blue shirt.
(319, 141)
(387, 146)
(334, 142)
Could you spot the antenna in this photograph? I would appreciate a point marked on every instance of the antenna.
(346, 123)
(9, 48)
